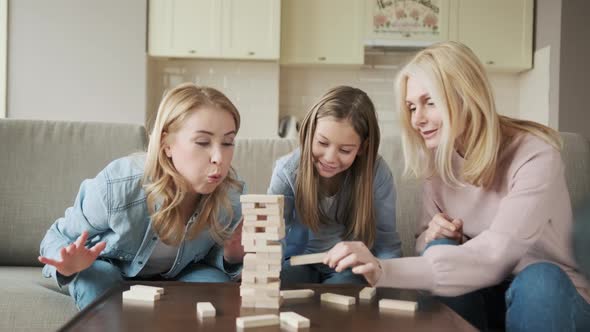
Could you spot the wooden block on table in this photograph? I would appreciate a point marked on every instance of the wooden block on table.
(270, 285)
(249, 291)
(388, 304)
(149, 289)
(297, 294)
(257, 321)
(338, 299)
(205, 309)
(294, 319)
(140, 296)
(251, 198)
(367, 293)
(308, 259)
(254, 276)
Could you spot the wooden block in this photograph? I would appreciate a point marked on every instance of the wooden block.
(267, 257)
(248, 235)
(297, 294)
(140, 296)
(248, 205)
(250, 291)
(338, 299)
(261, 198)
(250, 229)
(293, 319)
(257, 246)
(367, 293)
(273, 226)
(270, 285)
(254, 276)
(149, 289)
(388, 304)
(205, 309)
(271, 220)
(267, 211)
(308, 259)
(257, 321)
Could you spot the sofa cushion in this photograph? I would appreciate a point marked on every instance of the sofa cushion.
(43, 164)
(31, 302)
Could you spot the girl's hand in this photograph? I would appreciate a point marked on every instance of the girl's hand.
(441, 227)
(75, 257)
(356, 255)
(233, 251)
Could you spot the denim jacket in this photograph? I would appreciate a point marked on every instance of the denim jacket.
(112, 207)
(299, 239)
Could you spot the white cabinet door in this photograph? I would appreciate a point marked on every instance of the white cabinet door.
(160, 27)
(195, 28)
(251, 29)
(185, 28)
(322, 32)
(499, 32)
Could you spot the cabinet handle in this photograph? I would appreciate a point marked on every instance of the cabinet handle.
(322, 58)
(251, 53)
(192, 51)
(490, 62)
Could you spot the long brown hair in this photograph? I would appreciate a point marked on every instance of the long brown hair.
(164, 186)
(353, 105)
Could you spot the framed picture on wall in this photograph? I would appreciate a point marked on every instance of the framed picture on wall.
(411, 22)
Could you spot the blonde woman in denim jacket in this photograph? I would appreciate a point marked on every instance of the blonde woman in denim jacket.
(169, 214)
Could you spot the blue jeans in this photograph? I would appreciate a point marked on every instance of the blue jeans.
(102, 275)
(540, 298)
(317, 274)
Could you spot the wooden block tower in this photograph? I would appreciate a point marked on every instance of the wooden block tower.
(263, 228)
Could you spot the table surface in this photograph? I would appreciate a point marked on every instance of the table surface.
(176, 311)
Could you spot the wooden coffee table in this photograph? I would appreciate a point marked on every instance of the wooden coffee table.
(176, 311)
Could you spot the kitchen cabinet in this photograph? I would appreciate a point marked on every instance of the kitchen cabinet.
(322, 32)
(500, 32)
(228, 29)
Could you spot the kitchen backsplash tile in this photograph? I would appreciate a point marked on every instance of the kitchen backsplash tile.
(252, 86)
(265, 92)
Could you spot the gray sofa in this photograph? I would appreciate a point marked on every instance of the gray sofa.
(43, 162)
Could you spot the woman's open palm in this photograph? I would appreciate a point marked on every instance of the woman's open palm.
(75, 257)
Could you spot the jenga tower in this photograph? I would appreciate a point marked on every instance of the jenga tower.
(263, 227)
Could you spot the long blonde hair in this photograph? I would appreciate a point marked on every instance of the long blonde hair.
(353, 105)
(460, 89)
(165, 187)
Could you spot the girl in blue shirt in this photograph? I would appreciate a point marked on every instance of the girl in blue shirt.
(161, 215)
(336, 187)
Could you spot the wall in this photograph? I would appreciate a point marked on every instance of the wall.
(77, 60)
(253, 87)
(574, 68)
(548, 45)
(3, 46)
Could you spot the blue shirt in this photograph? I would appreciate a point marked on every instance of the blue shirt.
(300, 239)
(112, 207)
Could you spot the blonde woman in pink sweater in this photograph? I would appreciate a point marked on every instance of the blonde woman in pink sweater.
(497, 219)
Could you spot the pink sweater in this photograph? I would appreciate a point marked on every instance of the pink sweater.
(525, 217)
